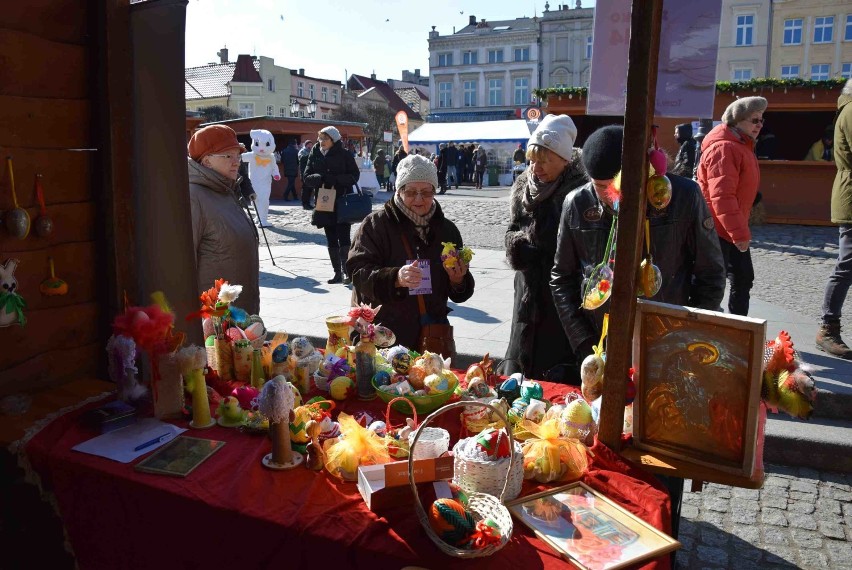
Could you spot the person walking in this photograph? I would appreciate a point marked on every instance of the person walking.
(538, 346)
(290, 162)
(452, 165)
(379, 166)
(330, 165)
(828, 338)
(729, 176)
(685, 159)
(480, 162)
(397, 156)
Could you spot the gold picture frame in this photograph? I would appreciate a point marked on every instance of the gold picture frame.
(590, 530)
(698, 378)
(180, 456)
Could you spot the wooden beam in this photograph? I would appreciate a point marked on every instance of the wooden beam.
(641, 90)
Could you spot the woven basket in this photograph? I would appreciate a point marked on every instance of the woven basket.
(482, 506)
(398, 448)
(477, 475)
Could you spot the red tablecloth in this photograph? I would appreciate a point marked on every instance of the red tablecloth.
(233, 512)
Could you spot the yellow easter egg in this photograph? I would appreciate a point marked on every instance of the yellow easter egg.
(576, 420)
(298, 431)
(341, 388)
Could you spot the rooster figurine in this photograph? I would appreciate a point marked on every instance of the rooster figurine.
(787, 384)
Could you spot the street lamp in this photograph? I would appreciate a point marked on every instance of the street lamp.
(294, 108)
(312, 108)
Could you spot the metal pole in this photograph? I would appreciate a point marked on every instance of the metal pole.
(259, 223)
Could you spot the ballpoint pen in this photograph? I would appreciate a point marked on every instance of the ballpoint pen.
(156, 440)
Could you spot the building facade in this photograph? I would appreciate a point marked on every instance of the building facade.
(744, 44)
(326, 93)
(811, 39)
(566, 46)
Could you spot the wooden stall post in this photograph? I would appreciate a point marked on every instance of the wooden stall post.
(645, 23)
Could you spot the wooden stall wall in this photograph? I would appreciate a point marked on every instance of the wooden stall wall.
(48, 91)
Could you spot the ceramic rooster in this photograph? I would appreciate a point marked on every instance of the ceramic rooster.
(787, 384)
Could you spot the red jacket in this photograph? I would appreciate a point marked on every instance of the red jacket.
(729, 176)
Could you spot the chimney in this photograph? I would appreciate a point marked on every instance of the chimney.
(373, 76)
(301, 71)
(223, 55)
(472, 21)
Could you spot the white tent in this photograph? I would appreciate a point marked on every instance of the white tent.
(512, 131)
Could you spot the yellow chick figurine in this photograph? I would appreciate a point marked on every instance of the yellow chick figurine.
(230, 413)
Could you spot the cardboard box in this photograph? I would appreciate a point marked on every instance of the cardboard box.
(386, 485)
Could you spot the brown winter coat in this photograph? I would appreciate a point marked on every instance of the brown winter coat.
(225, 240)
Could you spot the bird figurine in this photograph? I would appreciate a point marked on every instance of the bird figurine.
(787, 384)
(315, 460)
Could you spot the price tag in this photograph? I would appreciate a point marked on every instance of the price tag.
(426, 277)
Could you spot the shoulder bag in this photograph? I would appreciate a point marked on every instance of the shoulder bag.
(354, 207)
(434, 337)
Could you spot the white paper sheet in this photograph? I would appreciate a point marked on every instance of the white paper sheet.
(120, 445)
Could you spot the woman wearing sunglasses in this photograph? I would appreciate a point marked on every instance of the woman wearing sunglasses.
(729, 176)
(395, 260)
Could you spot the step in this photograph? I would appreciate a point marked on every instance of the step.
(819, 443)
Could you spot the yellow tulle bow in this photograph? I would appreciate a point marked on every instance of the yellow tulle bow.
(550, 457)
(356, 446)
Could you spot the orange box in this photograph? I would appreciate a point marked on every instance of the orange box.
(386, 485)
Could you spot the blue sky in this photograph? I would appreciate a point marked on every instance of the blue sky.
(332, 37)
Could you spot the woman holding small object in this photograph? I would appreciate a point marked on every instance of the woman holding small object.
(396, 259)
(332, 166)
(226, 242)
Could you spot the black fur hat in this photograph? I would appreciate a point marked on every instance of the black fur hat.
(602, 152)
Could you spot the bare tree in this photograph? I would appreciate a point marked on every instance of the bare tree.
(215, 113)
(378, 118)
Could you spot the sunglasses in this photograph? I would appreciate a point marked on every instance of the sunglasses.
(757, 121)
(411, 194)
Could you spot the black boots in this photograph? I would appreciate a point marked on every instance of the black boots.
(828, 340)
(339, 266)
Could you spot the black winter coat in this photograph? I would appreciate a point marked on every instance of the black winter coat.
(684, 245)
(336, 168)
(378, 253)
(537, 341)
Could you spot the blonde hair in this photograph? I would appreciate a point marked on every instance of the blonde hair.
(538, 153)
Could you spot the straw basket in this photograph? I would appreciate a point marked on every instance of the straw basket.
(398, 448)
(474, 474)
(481, 505)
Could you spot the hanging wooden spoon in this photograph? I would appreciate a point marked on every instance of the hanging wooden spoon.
(52, 285)
(17, 219)
(44, 223)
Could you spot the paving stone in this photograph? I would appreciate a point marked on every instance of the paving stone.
(839, 553)
(692, 499)
(801, 507)
(720, 491)
(776, 491)
(836, 478)
(813, 559)
(713, 537)
(712, 555)
(837, 494)
(689, 512)
(684, 559)
(687, 543)
(774, 502)
(799, 496)
(746, 533)
(716, 504)
(828, 506)
(781, 557)
(806, 538)
(847, 509)
(773, 481)
(801, 521)
(773, 517)
(788, 471)
(775, 536)
(738, 504)
(750, 494)
(744, 517)
(831, 530)
(715, 518)
(746, 552)
(803, 486)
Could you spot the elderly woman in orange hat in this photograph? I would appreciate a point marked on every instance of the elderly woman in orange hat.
(226, 241)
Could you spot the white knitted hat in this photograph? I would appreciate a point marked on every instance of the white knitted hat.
(740, 109)
(416, 168)
(556, 133)
(331, 132)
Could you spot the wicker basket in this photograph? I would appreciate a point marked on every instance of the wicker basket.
(477, 475)
(481, 505)
(398, 448)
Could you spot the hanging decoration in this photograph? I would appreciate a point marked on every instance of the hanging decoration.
(17, 219)
(53, 286)
(12, 305)
(44, 223)
(658, 187)
(598, 286)
(650, 278)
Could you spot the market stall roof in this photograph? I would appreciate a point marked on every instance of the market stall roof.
(292, 126)
(482, 131)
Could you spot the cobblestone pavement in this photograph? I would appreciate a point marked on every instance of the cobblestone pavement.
(802, 518)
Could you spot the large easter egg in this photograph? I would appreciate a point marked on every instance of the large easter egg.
(401, 363)
(451, 521)
(510, 389)
(435, 384)
(298, 431)
(416, 377)
(576, 420)
(659, 190)
(17, 223)
(531, 389)
(381, 378)
(430, 362)
(281, 352)
(493, 442)
(341, 388)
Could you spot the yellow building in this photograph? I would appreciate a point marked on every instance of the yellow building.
(811, 39)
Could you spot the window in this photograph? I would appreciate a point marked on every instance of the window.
(559, 78)
(445, 94)
(495, 56)
(334, 95)
(301, 89)
(789, 71)
(282, 111)
(522, 90)
(522, 54)
(820, 71)
(445, 59)
(271, 84)
(246, 110)
(588, 47)
(311, 90)
(469, 58)
(325, 115)
(270, 111)
(823, 28)
(792, 32)
(324, 91)
(495, 92)
(745, 30)
(741, 74)
(846, 71)
(847, 35)
(469, 93)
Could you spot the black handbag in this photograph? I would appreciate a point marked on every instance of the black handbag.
(354, 207)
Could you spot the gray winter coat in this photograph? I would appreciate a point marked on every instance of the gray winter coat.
(226, 244)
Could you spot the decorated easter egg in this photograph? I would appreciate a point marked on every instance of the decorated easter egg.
(576, 420)
(502, 406)
(416, 377)
(301, 347)
(281, 352)
(535, 411)
(298, 427)
(255, 330)
(43, 226)
(516, 412)
(493, 442)
(379, 427)
(554, 412)
(591, 376)
(347, 353)
(341, 388)
(650, 279)
(401, 363)
(479, 388)
(659, 189)
(451, 521)
(435, 384)
(296, 394)
(531, 389)
(430, 362)
(658, 161)
(510, 389)
(17, 223)
(474, 371)
(245, 395)
(381, 378)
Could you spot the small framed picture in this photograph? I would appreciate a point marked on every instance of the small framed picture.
(180, 457)
(588, 529)
(698, 379)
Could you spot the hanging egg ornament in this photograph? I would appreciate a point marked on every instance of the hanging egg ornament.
(44, 223)
(659, 189)
(650, 278)
(591, 376)
(17, 220)
(658, 161)
(53, 285)
(598, 287)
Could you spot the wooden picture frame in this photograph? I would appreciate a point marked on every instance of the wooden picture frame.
(698, 379)
(589, 529)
